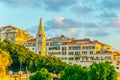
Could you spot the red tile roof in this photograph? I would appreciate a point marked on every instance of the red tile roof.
(31, 40)
(59, 38)
(4, 27)
(101, 43)
(81, 40)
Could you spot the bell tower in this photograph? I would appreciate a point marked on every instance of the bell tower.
(41, 39)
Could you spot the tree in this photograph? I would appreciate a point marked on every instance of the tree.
(18, 53)
(21, 54)
(43, 74)
(74, 72)
(52, 64)
(5, 61)
(102, 71)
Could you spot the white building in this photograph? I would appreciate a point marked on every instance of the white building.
(72, 51)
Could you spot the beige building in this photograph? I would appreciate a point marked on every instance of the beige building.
(73, 51)
(14, 34)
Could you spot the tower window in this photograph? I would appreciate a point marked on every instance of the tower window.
(39, 35)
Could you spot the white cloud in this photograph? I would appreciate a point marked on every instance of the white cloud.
(116, 22)
(100, 32)
(72, 31)
(63, 23)
(60, 21)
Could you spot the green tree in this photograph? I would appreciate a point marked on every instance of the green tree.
(43, 74)
(18, 53)
(52, 64)
(21, 54)
(102, 71)
(74, 72)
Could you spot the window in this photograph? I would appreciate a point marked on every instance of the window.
(55, 44)
(71, 58)
(74, 48)
(8, 29)
(13, 39)
(77, 58)
(34, 44)
(63, 48)
(63, 53)
(47, 44)
(64, 58)
(70, 53)
(84, 52)
(77, 53)
(39, 35)
(64, 43)
(117, 67)
(91, 52)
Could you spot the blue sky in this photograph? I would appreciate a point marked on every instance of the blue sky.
(94, 19)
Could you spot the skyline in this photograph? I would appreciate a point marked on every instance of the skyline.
(97, 19)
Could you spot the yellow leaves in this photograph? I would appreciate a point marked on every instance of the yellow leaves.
(5, 58)
(5, 61)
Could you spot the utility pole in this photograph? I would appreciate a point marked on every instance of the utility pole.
(20, 72)
(26, 74)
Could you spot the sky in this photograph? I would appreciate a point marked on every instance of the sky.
(94, 19)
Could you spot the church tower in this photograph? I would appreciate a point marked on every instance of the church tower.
(41, 39)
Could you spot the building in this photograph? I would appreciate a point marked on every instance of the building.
(38, 44)
(73, 51)
(14, 34)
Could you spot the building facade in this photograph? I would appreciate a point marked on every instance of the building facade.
(73, 51)
(14, 34)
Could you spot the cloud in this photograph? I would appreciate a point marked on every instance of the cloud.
(69, 32)
(58, 26)
(116, 22)
(56, 5)
(33, 30)
(111, 4)
(72, 31)
(90, 25)
(97, 33)
(108, 15)
(18, 3)
(63, 26)
(82, 9)
(55, 33)
(52, 5)
(63, 23)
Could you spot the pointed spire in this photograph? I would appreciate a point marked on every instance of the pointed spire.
(41, 26)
